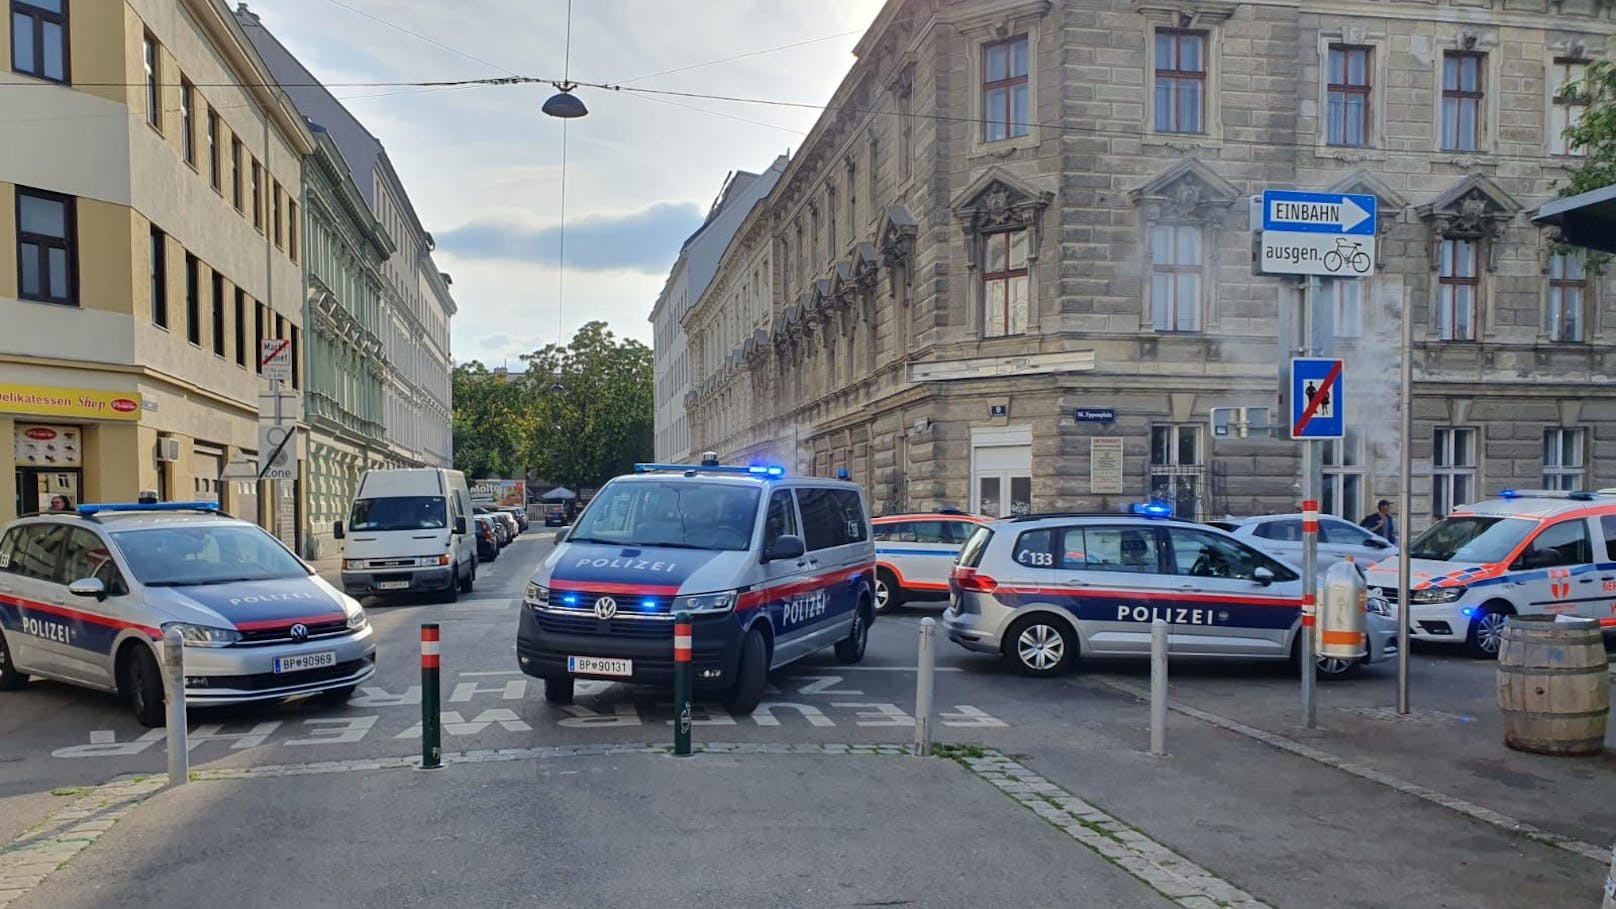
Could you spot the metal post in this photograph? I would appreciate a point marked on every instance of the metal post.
(1405, 507)
(179, 751)
(923, 688)
(681, 684)
(431, 722)
(1610, 883)
(1158, 687)
(1310, 530)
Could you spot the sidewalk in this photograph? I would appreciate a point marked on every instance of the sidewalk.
(616, 828)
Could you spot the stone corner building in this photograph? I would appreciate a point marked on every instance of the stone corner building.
(1013, 211)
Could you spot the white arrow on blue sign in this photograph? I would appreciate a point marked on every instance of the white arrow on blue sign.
(1349, 214)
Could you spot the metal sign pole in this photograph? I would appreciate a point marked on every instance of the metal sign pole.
(1405, 508)
(1310, 532)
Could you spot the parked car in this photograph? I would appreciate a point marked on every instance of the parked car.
(487, 542)
(1281, 535)
(409, 531)
(914, 554)
(505, 526)
(520, 514)
(555, 516)
(1041, 590)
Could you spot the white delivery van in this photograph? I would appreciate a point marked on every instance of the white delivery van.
(409, 532)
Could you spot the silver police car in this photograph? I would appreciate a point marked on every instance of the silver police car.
(1040, 590)
(86, 596)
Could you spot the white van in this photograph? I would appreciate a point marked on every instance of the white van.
(408, 533)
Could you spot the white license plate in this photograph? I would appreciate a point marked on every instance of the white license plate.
(599, 666)
(306, 661)
(392, 585)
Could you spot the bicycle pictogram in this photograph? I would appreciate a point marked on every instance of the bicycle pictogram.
(1347, 252)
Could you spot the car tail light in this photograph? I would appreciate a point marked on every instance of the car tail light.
(969, 579)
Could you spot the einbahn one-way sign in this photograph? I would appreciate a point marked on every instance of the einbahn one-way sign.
(1330, 234)
(1317, 410)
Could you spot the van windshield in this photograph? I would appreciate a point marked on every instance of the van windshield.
(398, 513)
(1471, 539)
(679, 514)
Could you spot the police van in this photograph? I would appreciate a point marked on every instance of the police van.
(1531, 552)
(771, 568)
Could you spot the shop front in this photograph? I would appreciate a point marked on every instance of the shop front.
(63, 443)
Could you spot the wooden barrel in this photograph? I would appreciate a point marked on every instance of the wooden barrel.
(1553, 685)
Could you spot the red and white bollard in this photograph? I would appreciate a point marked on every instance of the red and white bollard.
(1310, 550)
(431, 727)
(681, 684)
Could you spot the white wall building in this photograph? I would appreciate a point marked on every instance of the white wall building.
(687, 281)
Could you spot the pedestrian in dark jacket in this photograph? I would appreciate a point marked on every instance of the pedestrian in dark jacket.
(1381, 522)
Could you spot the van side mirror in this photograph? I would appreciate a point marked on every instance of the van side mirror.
(88, 587)
(1263, 576)
(336, 530)
(786, 547)
(460, 524)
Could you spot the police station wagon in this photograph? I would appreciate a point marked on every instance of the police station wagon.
(1041, 590)
(914, 554)
(1523, 553)
(770, 568)
(86, 598)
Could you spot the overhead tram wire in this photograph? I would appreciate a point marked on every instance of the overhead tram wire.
(427, 38)
(733, 58)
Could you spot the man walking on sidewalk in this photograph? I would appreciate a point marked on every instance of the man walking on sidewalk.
(1381, 522)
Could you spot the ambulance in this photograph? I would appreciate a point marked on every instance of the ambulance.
(1529, 552)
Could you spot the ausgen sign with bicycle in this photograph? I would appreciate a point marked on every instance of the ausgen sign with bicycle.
(1329, 234)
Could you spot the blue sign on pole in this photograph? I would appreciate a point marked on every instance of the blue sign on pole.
(1317, 402)
(1095, 415)
(1348, 214)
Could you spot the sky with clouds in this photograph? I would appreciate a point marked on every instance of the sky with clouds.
(483, 164)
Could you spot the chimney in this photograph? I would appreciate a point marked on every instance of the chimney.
(242, 10)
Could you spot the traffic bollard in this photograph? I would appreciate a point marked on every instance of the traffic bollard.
(1158, 687)
(1610, 883)
(681, 684)
(1310, 669)
(431, 722)
(923, 688)
(179, 751)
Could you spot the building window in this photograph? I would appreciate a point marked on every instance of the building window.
(235, 173)
(154, 100)
(47, 254)
(906, 136)
(241, 328)
(213, 150)
(1453, 469)
(1462, 94)
(1004, 283)
(257, 195)
(1180, 81)
(258, 337)
(159, 278)
(291, 229)
(218, 314)
(187, 122)
(1344, 476)
(1177, 466)
(852, 198)
(1346, 298)
(193, 301)
(1004, 89)
(1563, 458)
(275, 215)
(830, 221)
(1568, 286)
(39, 38)
(1570, 102)
(297, 362)
(1175, 278)
(1349, 96)
(1456, 307)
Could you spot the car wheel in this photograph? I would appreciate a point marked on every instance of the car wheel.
(338, 695)
(1487, 632)
(888, 595)
(1332, 669)
(143, 686)
(558, 689)
(470, 580)
(850, 649)
(751, 674)
(10, 678)
(1040, 645)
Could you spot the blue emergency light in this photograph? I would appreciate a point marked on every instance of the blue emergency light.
(755, 470)
(97, 508)
(1153, 509)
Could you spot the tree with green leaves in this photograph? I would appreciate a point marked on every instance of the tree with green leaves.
(1594, 133)
(489, 422)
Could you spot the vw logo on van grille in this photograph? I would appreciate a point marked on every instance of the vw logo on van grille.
(605, 608)
(299, 632)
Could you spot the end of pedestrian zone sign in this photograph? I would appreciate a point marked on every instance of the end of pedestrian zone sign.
(1318, 398)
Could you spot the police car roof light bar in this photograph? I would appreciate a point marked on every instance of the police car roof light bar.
(756, 470)
(96, 508)
(1575, 495)
(1153, 509)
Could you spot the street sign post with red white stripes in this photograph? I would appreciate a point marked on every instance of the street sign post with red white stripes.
(681, 684)
(431, 729)
(1310, 559)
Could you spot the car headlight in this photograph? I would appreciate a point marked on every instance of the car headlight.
(536, 594)
(427, 561)
(1437, 595)
(705, 603)
(352, 564)
(204, 635)
(357, 620)
(1378, 606)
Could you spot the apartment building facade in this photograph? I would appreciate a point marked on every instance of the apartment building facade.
(150, 197)
(1010, 269)
(688, 280)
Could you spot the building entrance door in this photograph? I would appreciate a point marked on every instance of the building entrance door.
(1001, 471)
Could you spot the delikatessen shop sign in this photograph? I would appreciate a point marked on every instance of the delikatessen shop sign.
(88, 403)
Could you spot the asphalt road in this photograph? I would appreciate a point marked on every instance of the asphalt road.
(1281, 825)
